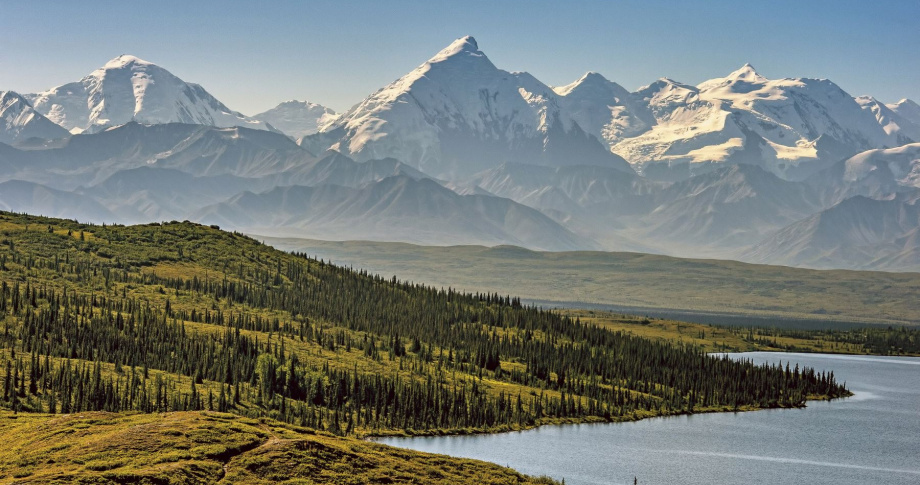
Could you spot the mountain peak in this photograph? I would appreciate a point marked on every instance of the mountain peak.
(11, 97)
(665, 85)
(592, 77)
(297, 118)
(296, 103)
(866, 100)
(20, 121)
(904, 102)
(908, 109)
(125, 60)
(746, 73)
(590, 80)
(128, 88)
(464, 45)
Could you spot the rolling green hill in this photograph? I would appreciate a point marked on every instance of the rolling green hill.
(209, 447)
(183, 318)
(638, 282)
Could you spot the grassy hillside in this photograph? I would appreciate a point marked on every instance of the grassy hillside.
(209, 447)
(638, 281)
(183, 318)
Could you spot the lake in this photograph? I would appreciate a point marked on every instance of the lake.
(872, 437)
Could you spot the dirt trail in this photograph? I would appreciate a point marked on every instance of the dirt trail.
(272, 440)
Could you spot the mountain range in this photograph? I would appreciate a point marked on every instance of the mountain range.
(457, 114)
(458, 151)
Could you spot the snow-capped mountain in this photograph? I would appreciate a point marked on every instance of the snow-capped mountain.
(605, 109)
(788, 171)
(297, 119)
(19, 121)
(458, 114)
(902, 164)
(246, 178)
(903, 129)
(907, 109)
(129, 89)
(878, 174)
(791, 127)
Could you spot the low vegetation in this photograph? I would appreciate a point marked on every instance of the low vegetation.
(189, 320)
(895, 341)
(639, 283)
(211, 447)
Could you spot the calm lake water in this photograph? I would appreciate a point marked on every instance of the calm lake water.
(872, 437)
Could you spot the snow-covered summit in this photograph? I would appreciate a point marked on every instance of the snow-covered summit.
(746, 73)
(908, 109)
(457, 113)
(740, 81)
(791, 127)
(591, 81)
(297, 119)
(667, 93)
(20, 121)
(128, 89)
(463, 45)
(896, 166)
(896, 125)
(123, 61)
(603, 108)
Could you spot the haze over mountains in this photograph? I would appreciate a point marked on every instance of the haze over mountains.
(297, 118)
(459, 151)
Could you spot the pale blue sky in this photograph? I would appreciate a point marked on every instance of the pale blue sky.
(253, 56)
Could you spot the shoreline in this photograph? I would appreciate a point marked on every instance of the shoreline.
(586, 420)
(620, 419)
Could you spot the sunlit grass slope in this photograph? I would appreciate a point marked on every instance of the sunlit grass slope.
(638, 281)
(210, 447)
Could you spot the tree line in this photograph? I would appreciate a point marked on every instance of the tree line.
(78, 337)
